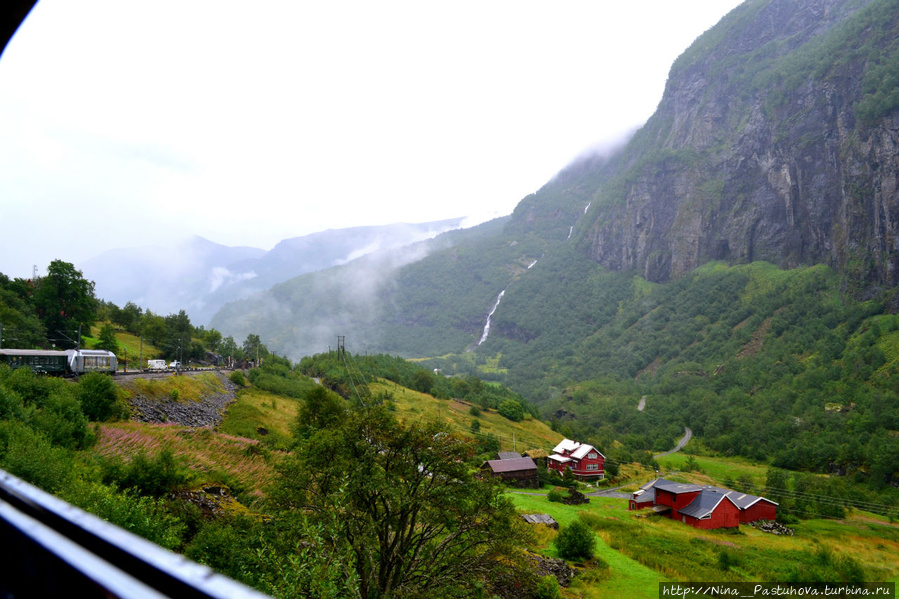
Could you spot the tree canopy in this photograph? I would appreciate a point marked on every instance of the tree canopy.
(65, 300)
(414, 518)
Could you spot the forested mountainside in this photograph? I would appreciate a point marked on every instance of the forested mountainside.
(734, 261)
(777, 140)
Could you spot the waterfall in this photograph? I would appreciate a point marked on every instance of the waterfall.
(487, 326)
(570, 231)
(587, 207)
(531, 265)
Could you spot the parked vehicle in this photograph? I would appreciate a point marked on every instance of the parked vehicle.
(176, 365)
(155, 364)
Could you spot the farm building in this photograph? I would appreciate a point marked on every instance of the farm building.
(519, 472)
(702, 506)
(584, 461)
(508, 455)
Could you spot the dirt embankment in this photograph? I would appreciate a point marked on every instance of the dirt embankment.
(207, 411)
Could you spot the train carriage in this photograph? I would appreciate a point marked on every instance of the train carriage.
(62, 363)
(38, 360)
(91, 360)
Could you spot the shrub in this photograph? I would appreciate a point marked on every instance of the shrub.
(28, 454)
(143, 516)
(512, 410)
(576, 541)
(555, 495)
(63, 422)
(547, 588)
(238, 378)
(99, 397)
(149, 476)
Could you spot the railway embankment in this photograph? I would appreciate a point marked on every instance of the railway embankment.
(166, 398)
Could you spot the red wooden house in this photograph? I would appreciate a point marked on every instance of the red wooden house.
(703, 506)
(584, 461)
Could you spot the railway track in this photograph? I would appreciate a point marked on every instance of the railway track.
(49, 548)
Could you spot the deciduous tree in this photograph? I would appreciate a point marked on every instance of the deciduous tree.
(64, 300)
(417, 522)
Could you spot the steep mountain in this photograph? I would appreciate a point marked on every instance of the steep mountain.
(777, 139)
(410, 300)
(200, 276)
(733, 264)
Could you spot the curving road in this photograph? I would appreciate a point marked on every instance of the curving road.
(688, 434)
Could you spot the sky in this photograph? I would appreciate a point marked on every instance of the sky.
(131, 124)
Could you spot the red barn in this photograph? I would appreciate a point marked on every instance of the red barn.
(757, 508)
(584, 461)
(677, 496)
(703, 506)
(711, 508)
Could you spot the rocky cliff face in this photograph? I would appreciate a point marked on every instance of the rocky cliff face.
(766, 146)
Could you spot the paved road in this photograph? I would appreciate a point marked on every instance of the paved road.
(688, 434)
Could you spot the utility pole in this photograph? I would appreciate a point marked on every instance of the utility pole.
(341, 348)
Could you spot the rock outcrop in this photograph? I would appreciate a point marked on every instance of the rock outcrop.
(777, 139)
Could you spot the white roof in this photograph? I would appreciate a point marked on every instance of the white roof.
(582, 451)
(566, 445)
(577, 450)
(559, 458)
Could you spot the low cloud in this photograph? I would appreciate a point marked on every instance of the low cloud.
(222, 276)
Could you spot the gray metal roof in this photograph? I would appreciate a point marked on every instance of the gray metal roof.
(514, 465)
(31, 352)
(644, 495)
(673, 487)
(705, 503)
(739, 499)
(508, 455)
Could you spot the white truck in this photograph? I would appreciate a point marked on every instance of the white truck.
(155, 365)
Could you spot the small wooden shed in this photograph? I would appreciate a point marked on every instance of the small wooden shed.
(518, 472)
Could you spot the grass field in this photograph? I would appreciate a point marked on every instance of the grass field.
(512, 436)
(188, 388)
(642, 550)
(262, 416)
(635, 552)
(219, 458)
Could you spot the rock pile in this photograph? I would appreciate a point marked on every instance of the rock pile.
(208, 412)
(212, 501)
(575, 497)
(554, 567)
(772, 526)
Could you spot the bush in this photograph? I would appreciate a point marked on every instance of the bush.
(576, 541)
(63, 422)
(149, 476)
(99, 397)
(28, 454)
(547, 588)
(555, 495)
(512, 410)
(238, 378)
(144, 516)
